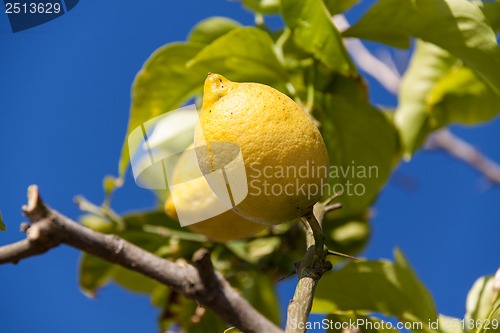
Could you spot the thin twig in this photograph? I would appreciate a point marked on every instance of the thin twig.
(332, 207)
(464, 151)
(379, 70)
(50, 228)
(342, 255)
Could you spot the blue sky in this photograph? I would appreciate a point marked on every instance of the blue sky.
(64, 102)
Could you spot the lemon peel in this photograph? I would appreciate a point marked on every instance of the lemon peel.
(273, 134)
(196, 197)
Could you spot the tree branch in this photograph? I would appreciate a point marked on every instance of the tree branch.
(310, 271)
(388, 77)
(50, 228)
(464, 151)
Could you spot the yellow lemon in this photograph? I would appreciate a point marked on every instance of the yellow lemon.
(196, 198)
(284, 155)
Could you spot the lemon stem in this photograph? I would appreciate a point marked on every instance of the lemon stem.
(309, 270)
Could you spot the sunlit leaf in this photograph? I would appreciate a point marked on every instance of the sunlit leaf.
(212, 28)
(94, 273)
(444, 93)
(232, 330)
(263, 6)
(460, 97)
(390, 288)
(348, 235)
(243, 54)
(483, 303)
(109, 184)
(458, 26)
(429, 63)
(339, 6)
(98, 223)
(450, 325)
(314, 31)
(163, 84)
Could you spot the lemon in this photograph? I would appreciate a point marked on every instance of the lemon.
(285, 157)
(196, 197)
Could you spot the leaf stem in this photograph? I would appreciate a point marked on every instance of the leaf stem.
(280, 42)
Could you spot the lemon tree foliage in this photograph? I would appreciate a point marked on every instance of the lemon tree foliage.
(314, 31)
(391, 288)
(2, 224)
(363, 163)
(453, 77)
(458, 26)
(212, 28)
(446, 92)
(483, 306)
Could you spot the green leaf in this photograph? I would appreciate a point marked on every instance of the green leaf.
(243, 54)
(232, 330)
(139, 220)
(98, 223)
(450, 325)
(390, 288)
(94, 273)
(363, 146)
(429, 63)
(211, 28)
(483, 302)
(148, 241)
(446, 92)
(2, 225)
(133, 281)
(162, 85)
(258, 289)
(109, 184)
(175, 72)
(263, 6)
(339, 6)
(314, 31)
(461, 97)
(492, 12)
(458, 26)
(364, 324)
(159, 296)
(157, 223)
(348, 235)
